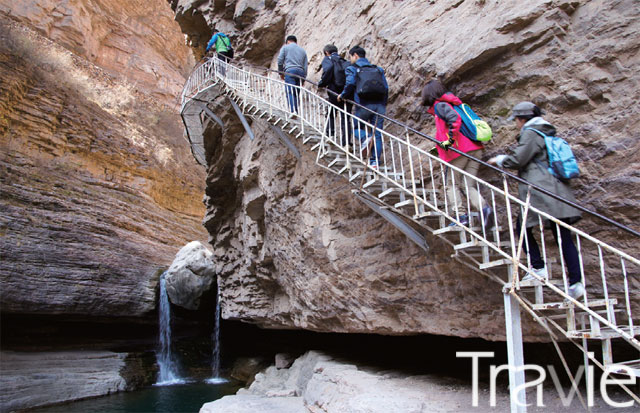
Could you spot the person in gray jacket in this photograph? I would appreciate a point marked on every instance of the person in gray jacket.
(531, 160)
(292, 65)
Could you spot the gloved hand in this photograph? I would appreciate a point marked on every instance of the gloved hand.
(446, 144)
(497, 160)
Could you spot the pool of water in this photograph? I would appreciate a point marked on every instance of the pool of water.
(180, 398)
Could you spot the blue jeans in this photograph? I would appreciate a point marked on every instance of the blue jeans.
(293, 92)
(372, 117)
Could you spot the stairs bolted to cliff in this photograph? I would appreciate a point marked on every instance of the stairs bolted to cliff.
(410, 184)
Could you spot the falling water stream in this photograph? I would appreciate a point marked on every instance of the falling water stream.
(215, 338)
(167, 374)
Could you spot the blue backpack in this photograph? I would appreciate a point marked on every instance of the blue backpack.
(562, 163)
(472, 126)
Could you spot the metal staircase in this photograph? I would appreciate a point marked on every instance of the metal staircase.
(408, 183)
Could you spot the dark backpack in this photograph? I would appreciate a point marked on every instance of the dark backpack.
(339, 75)
(370, 83)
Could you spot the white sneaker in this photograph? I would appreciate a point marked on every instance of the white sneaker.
(540, 272)
(576, 290)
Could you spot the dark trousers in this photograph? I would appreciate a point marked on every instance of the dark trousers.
(344, 127)
(569, 251)
(223, 57)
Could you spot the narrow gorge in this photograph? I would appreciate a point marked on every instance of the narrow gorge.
(101, 199)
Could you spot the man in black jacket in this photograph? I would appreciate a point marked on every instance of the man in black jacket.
(333, 78)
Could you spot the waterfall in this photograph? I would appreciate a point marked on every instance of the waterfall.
(168, 372)
(215, 338)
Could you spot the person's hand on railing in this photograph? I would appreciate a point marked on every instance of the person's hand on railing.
(497, 160)
(446, 144)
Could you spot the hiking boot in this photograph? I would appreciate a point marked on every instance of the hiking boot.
(464, 220)
(540, 272)
(576, 290)
(486, 215)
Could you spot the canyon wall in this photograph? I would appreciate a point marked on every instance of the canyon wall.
(98, 187)
(294, 248)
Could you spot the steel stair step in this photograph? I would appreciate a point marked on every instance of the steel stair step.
(605, 333)
(478, 244)
(583, 314)
(390, 192)
(561, 305)
(536, 283)
(493, 264)
(632, 365)
(428, 214)
(311, 138)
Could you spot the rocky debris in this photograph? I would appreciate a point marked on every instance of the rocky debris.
(97, 191)
(284, 360)
(36, 379)
(293, 248)
(190, 275)
(245, 368)
(319, 383)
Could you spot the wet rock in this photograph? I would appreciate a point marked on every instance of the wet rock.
(190, 275)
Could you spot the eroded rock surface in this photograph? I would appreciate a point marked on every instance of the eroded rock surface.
(293, 248)
(190, 275)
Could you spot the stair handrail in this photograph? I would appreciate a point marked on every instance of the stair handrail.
(236, 77)
(494, 168)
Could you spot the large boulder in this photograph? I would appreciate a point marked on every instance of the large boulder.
(191, 275)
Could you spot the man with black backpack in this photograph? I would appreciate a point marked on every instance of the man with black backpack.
(334, 79)
(368, 85)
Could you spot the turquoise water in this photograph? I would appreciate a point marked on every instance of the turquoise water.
(185, 398)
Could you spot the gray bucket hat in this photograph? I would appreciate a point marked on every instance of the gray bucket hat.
(523, 109)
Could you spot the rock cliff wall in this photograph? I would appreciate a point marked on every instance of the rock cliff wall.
(135, 40)
(98, 188)
(295, 250)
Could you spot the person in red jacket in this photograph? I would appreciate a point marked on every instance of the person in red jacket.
(440, 103)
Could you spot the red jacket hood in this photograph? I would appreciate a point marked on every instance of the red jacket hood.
(448, 98)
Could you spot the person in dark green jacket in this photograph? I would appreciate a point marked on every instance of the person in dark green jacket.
(531, 160)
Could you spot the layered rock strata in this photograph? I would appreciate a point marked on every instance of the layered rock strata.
(293, 248)
(35, 379)
(98, 189)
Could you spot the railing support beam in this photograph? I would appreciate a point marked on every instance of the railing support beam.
(242, 119)
(515, 354)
